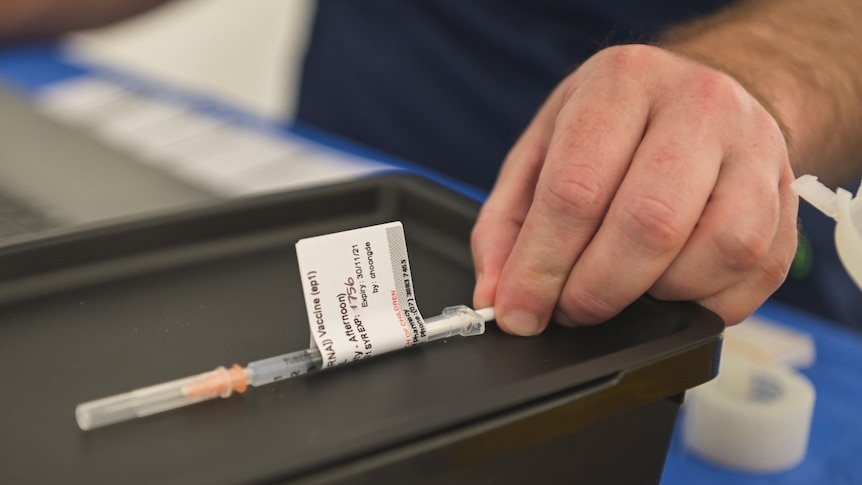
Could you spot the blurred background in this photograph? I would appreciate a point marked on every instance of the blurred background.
(246, 55)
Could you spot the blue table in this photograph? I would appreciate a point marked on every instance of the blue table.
(836, 434)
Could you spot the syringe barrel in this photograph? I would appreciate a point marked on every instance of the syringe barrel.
(456, 320)
(285, 366)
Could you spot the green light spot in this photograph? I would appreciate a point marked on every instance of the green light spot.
(804, 258)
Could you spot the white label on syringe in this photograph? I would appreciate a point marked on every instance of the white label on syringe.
(359, 293)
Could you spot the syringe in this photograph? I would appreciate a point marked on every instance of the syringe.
(222, 382)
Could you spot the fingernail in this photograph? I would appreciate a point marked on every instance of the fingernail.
(522, 323)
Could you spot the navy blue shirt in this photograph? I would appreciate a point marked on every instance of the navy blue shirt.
(451, 84)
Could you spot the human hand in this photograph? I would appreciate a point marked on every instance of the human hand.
(644, 172)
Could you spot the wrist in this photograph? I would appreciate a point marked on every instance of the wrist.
(794, 58)
(773, 87)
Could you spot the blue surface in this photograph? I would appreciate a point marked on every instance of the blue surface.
(31, 67)
(836, 434)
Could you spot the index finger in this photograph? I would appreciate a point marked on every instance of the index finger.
(595, 136)
(503, 214)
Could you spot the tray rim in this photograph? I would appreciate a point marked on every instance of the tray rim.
(698, 338)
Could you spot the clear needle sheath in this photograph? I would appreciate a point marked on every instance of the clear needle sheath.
(222, 382)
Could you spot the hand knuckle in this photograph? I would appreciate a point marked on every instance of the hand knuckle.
(653, 223)
(630, 58)
(715, 92)
(575, 194)
(742, 250)
(768, 130)
(776, 272)
(777, 266)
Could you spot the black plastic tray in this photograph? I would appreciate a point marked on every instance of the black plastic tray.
(98, 312)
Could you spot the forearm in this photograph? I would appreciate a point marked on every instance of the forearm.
(21, 19)
(803, 60)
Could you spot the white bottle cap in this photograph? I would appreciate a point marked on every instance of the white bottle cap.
(847, 212)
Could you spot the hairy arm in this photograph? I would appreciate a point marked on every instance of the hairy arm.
(23, 19)
(803, 60)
